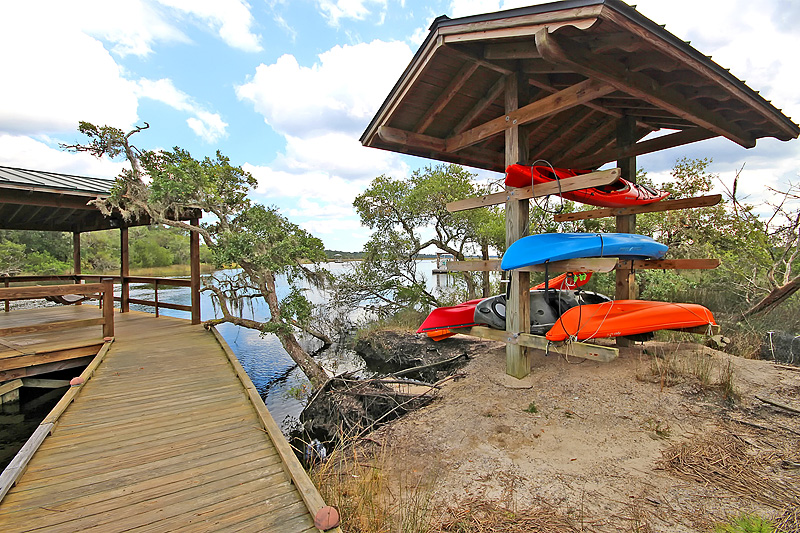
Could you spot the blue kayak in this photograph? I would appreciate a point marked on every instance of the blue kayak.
(539, 249)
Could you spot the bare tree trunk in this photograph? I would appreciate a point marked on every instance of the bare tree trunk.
(307, 364)
(311, 368)
(773, 299)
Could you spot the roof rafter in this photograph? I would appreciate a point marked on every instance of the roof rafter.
(575, 120)
(560, 50)
(458, 81)
(575, 95)
(670, 140)
(488, 99)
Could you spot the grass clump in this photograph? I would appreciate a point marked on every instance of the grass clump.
(532, 409)
(707, 372)
(355, 482)
(746, 524)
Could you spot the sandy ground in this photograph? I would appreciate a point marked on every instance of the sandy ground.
(594, 448)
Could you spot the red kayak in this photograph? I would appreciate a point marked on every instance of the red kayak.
(438, 322)
(457, 316)
(621, 193)
(623, 318)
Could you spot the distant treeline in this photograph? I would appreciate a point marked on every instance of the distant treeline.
(333, 255)
(50, 252)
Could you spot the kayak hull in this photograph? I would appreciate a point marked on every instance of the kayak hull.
(622, 318)
(457, 316)
(545, 308)
(621, 193)
(544, 247)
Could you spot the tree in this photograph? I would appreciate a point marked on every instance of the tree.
(160, 185)
(12, 258)
(408, 217)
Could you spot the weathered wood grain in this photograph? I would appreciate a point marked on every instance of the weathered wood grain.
(162, 436)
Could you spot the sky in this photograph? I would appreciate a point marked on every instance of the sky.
(285, 88)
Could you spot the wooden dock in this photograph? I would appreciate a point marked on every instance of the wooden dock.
(168, 434)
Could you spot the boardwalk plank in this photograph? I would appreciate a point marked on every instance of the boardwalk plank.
(163, 437)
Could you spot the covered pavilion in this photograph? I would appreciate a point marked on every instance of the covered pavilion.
(578, 83)
(50, 201)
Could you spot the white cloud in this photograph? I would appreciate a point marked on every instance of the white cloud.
(317, 185)
(340, 155)
(206, 125)
(341, 92)
(55, 76)
(334, 11)
(231, 19)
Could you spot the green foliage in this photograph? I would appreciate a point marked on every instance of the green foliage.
(409, 216)
(532, 409)
(163, 185)
(746, 524)
(12, 257)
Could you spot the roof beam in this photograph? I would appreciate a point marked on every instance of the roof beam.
(14, 195)
(575, 95)
(447, 94)
(479, 60)
(542, 82)
(417, 140)
(559, 50)
(600, 44)
(645, 147)
(515, 50)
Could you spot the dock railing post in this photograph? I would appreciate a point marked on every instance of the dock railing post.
(108, 307)
(194, 253)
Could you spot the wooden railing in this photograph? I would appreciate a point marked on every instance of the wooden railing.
(104, 291)
(124, 299)
(156, 283)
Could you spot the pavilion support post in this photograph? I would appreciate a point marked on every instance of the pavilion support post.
(626, 281)
(518, 306)
(124, 270)
(76, 257)
(194, 253)
(108, 307)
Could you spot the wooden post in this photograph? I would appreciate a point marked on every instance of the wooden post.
(194, 255)
(108, 307)
(626, 281)
(124, 271)
(76, 257)
(518, 306)
(155, 294)
(7, 303)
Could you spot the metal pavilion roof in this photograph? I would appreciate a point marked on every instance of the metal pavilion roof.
(54, 181)
(50, 201)
(586, 66)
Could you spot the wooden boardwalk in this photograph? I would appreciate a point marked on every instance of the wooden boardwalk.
(164, 436)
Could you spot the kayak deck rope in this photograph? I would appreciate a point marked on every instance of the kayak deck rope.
(547, 198)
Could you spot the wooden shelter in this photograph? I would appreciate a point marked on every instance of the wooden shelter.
(578, 83)
(49, 201)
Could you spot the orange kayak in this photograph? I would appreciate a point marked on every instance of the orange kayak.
(622, 318)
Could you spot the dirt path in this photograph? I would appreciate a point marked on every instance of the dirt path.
(589, 439)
